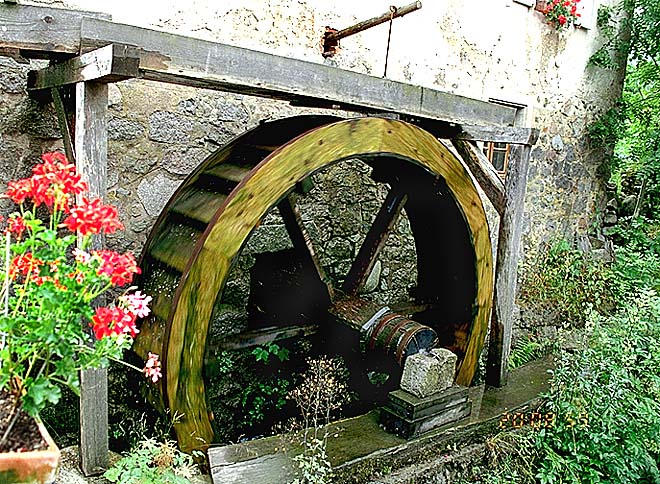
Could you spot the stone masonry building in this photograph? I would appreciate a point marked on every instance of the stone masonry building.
(499, 50)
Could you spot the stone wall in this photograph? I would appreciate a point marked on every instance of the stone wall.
(484, 49)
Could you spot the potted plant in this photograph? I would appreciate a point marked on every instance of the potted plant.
(561, 14)
(51, 325)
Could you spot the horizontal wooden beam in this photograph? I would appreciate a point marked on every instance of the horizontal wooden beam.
(165, 57)
(183, 60)
(108, 64)
(483, 171)
(42, 31)
(501, 134)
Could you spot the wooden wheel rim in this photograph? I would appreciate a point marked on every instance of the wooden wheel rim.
(255, 195)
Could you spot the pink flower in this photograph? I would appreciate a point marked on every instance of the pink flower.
(81, 256)
(137, 304)
(152, 368)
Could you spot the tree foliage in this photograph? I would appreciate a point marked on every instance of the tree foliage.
(632, 127)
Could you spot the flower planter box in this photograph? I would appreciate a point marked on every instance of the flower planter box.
(35, 467)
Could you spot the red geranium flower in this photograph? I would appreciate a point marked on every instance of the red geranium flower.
(120, 268)
(59, 172)
(110, 321)
(19, 190)
(23, 265)
(16, 225)
(92, 217)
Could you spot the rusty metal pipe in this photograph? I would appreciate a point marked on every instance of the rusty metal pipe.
(372, 22)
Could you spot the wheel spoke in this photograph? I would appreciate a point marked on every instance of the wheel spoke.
(374, 241)
(301, 240)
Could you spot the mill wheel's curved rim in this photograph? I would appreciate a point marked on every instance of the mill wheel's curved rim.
(267, 184)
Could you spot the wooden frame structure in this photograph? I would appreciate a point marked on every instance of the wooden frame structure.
(89, 51)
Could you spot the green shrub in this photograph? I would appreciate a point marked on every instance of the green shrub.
(566, 282)
(606, 399)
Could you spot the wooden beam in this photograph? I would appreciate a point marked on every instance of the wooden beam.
(91, 148)
(108, 64)
(193, 62)
(249, 339)
(500, 134)
(302, 241)
(375, 240)
(506, 271)
(483, 171)
(43, 31)
(63, 120)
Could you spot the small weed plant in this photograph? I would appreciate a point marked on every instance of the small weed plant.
(322, 392)
(153, 462)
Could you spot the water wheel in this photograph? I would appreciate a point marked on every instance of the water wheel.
(207, 222)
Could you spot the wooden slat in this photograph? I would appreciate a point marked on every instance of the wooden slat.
(506, 272)
(229, 172)
(199, 205)
(183, 60)
(175, 246)
(483, 171)
(249, 339)
(40, 30)
(500, 134)
(375, 240)
(108, 64)
(91, 147)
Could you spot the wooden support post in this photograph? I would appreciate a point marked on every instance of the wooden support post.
(506, 271)
(91, 148)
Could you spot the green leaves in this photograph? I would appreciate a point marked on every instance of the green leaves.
(39, 392)
(263, 353)
(153, 463)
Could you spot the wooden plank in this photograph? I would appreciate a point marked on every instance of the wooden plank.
(483, 171)
(44, 31)
(108, 64)
(183, 60)
(375, 240)
(91, 147)
(174, 246)
(500, 134)
(506, 272)
(199, 204)
(263, 336)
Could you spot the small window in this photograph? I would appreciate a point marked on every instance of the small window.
(498, 155)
